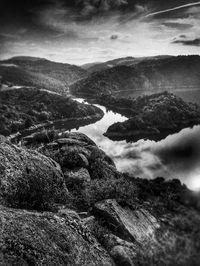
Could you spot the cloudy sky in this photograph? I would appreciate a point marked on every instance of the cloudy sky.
(82, 31)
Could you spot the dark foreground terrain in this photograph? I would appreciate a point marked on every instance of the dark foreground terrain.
(152, 116)
(64, 203)
(26, 107)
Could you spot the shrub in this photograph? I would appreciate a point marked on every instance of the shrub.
(121, 189)
(35, 191)
(44, 136)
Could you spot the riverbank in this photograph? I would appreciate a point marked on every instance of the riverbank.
(29, 109)
(152, 116)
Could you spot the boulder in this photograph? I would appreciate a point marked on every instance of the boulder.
(32, 238)
(121, 257)
(77, 176)
(123, 252)
(68, 141)
(98, 154)
(77, 136)
(29, 179)
(73, 159)
(3, 139)
(100, 165)
(133, 225)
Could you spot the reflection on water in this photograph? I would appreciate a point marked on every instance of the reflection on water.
(177, 156)
(95, 131)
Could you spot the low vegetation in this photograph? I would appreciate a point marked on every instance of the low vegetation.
(40, 73)
(153, 116)
(25, 107)
(161, 73)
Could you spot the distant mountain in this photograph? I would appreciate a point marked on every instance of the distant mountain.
(124, 61)
(40, 73)
(160, 73)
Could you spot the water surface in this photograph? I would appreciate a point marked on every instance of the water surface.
(177, 156)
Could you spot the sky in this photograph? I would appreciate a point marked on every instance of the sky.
(85, 31)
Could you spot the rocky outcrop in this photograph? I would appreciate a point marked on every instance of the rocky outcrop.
(91, 214)
(29, 179)
(31, 238)
(138, 237)
(76, 152)
(138, 225)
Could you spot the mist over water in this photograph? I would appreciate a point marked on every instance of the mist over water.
(177, 156)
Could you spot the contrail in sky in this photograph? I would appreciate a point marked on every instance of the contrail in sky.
(172, 9)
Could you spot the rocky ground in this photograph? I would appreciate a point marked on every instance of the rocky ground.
(152, 116)
(63, 202)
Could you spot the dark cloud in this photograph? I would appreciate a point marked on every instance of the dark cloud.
(176, 25)
(182, 36)
(194, 42)
(82, 23)
(114, 37)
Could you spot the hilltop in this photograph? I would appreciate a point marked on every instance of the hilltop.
(161, 73)
(26, 107)
(152, 116)
(124, 61)
(40, 73)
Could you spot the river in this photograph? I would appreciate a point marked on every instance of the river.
(176, 156)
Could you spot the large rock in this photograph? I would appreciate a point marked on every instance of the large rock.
(29, 238)
(78, 136)
(139, 238)
(75, 150)
(123, 252)
(29, 179)
(70, 152)
(121, 257)
(134, 225)
(100, 165)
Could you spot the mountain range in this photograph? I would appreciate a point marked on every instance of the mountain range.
(40, 73)
(154, 74)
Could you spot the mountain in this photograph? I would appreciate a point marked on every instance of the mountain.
(124, 61)
(181, 72)
(40, 73)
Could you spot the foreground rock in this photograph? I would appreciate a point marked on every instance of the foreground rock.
(142, 237)
(154, 117)
(138, 225)
(29, 179)
(103, 217)
(75, 151)
(29, 238)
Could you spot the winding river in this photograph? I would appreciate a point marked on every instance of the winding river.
(176, 156)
